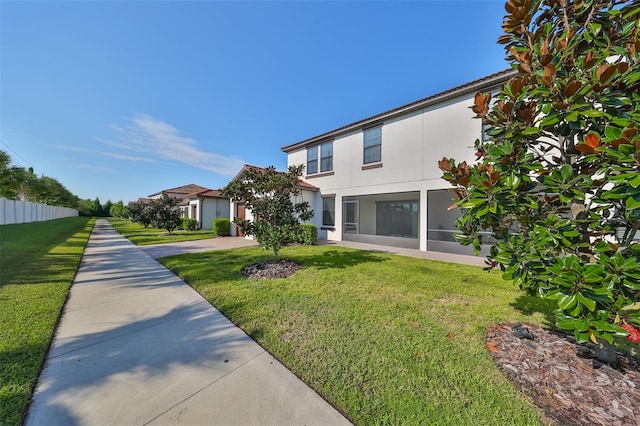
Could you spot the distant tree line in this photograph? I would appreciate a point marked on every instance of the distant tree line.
(18, 183)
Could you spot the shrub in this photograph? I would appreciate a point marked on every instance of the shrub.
(189, 224)
(306, 234)
(221, 227)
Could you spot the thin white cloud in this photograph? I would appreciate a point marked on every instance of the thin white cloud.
(114, 144)
(107, 154)
(161, 140)
(73, 148)
(94, 167)
(129, 157)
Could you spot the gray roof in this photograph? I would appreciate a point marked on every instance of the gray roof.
(489, 82)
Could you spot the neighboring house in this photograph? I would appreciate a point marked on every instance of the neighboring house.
(179, 192)
(378, 179)
(205, 206)
(197, 202)
(237, 209)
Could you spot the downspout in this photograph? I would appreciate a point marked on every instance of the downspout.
(201, 207)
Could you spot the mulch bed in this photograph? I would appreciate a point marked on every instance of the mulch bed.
(564, 379)
(272, 269)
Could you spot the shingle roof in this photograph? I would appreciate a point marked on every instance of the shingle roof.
(186, 189)
(244, 169)
(486, 83)
(213, 193)
(301, 184)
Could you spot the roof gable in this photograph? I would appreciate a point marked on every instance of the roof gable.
(207, 193)
(182, 190)
(301, 184)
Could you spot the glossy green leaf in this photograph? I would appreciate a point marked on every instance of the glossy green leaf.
(632, 203)
(567, 302)
(589, 303)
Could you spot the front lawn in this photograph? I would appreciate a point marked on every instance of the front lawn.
(141, 236)
(38, 262)
(386, 339)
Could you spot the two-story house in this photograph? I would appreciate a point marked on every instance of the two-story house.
(378, 180)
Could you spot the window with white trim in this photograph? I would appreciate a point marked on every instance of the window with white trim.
(372, 152)
(322, 154)
(312, 160)
(326, 157)
(329, 211)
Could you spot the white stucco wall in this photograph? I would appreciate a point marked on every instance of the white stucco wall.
(209, 209)
(412, 145)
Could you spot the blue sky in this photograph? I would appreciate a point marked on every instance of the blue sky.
(121, 99)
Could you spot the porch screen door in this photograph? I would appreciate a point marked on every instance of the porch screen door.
(350, 215)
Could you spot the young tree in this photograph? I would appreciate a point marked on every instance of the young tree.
(558, 183)
(164, 213)
(270, 195)
(139, 212)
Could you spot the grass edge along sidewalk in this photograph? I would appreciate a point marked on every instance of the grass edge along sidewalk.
(386, 339)
(38, 263)
(141, 235)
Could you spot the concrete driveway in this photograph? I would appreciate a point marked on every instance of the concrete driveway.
(220, 243)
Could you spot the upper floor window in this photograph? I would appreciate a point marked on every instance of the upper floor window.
(326, 157)
(485, 129)
(325, 153)
(372, 145)
(312, 160)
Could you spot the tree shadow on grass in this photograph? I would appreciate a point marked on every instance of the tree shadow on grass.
(332, 259)
(530, 305)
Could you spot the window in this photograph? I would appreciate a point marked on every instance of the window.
(486, 128)
(485, 131)
(397, 218)
(372, 145)
(329, 211)
(326, 157)
(312, 160)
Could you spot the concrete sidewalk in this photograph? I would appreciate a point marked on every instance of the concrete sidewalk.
(136, 346)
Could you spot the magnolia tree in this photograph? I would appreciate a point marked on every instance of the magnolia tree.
(164, 213)
(271, 197)
(558, 182)
(138, 213)
(161, 213)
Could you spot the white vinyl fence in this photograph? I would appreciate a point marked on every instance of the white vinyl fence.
(14, 211)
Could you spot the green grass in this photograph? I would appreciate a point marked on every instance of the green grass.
(141, 236)
(385, 339)
(38, 262)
